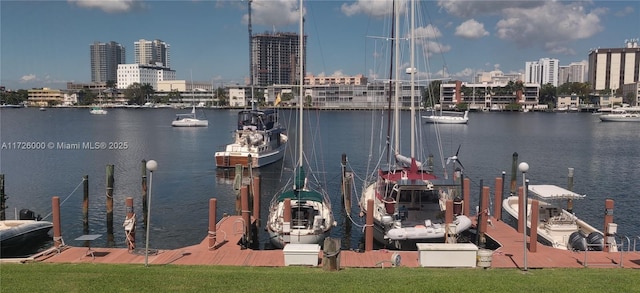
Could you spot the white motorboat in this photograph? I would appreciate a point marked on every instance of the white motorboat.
(409, 201)
(301, 212)
(557, 227)
(189, 120)
(258, 140)
(16, 235)
(447, 117)
(98, 111)
(623, 114)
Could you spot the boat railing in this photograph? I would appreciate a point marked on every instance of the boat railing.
(613, 247)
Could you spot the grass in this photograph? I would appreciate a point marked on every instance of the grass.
(41, 277)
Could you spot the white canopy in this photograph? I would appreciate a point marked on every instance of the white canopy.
(553, 192)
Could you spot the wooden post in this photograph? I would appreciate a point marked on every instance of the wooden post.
(256, 199)
(533, 239)
(608, 219)
(212, 223)
(145, 196)
(483, 216)
(130, 224)
(466, 198)
(514, 174)
(246, 217)
(109, 200)
(448, 222)
(346, 185)
(3, 199)
(331, 254)
(85, 204)
(368, 231)
(521, 206)
(286, 218)
(497, 199)
(57, 226)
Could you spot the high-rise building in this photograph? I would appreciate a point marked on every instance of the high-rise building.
(154, 52)
(275, 58)
(574, 72)
(543, 71)
(105, 58)
(611, 68)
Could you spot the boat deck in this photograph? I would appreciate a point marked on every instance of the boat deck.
(509, 255)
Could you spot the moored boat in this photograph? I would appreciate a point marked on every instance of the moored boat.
(98, 111)
(189, 120)
(17, 235)
(258, 140)
(624, 114)
(301, 212)
(557, 227)
(447, 117)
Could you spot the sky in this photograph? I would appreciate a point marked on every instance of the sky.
(46, 43)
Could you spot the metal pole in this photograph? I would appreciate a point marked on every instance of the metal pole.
(524, 167)
(146, 249)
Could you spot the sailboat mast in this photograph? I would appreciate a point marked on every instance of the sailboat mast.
(390, 95)
(412, 72)
(396, 115)
(301, 66)
(250, 53)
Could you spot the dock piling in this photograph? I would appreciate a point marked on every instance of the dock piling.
(368, 244)
(57, 226)
(608, 220)
(212, 223)
(130, 224)
(109, 203)
(533, 243)
(145, 208)
(256, 198)
(85, 204)
(246, 218)
(497, 198)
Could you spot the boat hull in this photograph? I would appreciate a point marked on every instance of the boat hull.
(190, 123)
(554, 231)
(17, 236)
(229, 159)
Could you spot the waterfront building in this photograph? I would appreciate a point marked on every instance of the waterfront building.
(322, 80)
(47, 97)
(631, 93)
(154, 52)
(611, 68)
(574, 72)
(543, 71)
(497, 76)
(129, 74)
(481, 96)
(274, 57)
(105, 58)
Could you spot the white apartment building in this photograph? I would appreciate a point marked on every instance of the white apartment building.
(154, 52)
(497, 76)
(321, 80)
(238, 96)
(129, 74)
(542, 72)
(574, 72)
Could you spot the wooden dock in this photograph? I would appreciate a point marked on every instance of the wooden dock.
(228, 253)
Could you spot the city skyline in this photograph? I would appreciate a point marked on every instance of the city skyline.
(46, 43)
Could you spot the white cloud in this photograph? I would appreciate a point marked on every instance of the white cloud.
(109, 6)
(471, 29)
(28, 78)
(625, 11)
(378, 8)
(554, 25)
(273, 13)
(471, 8)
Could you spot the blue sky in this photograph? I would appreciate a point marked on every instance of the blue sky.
(46, 43)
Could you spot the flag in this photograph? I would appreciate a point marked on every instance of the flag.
(277, 100)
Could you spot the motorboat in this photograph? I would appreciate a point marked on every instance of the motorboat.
(557, 227)
(258, 140)
(98, 111)
(623, 114)
(300, 213)
(27, 231)
(189, 120)
(447, 117)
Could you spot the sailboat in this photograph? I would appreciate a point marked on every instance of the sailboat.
(447, 117)
(189, 120)
(409, 200)
(300, 214)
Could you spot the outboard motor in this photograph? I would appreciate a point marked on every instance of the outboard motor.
(26, 214)
(596, 241)
(577, 241)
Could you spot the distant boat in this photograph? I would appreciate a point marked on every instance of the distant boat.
(43, 109)
(259, 140)
(15, 235)
(189, 120)
(624, 114)
(98, 111)
(447, 117)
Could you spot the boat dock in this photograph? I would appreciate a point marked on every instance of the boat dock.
(227, 252)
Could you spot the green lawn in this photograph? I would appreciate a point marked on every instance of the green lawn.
(43, 277)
